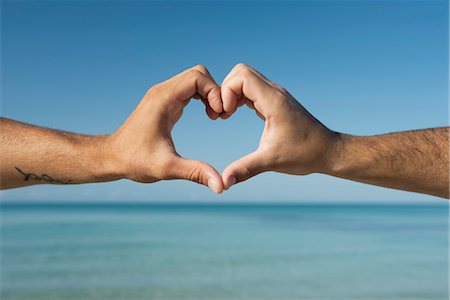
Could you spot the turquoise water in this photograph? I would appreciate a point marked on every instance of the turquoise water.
(224, 252)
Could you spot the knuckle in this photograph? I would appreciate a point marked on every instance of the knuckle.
(241, 66)
(246, 72)
(155, 91)
(194, 73)
(196, 174)
(214, 95)
(156, 88)
(281, 89)
(278, 97)
(200, 68)
(246, 174)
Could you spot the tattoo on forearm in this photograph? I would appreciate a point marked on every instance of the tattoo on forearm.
(42, 177)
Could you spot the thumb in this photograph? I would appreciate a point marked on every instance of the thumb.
(196, 171)
(243, 169)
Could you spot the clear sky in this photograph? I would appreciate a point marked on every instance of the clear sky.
(361, 67)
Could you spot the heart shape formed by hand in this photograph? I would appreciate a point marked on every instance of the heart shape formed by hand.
(292, 142)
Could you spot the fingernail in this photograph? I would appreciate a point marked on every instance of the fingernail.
(213, 185)
(232, 180)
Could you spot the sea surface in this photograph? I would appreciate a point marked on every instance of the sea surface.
(218, 252)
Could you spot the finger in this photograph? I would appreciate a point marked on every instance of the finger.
(264, 78)
(225, 115)
(242, 100)
(241, 66)
(243, 169)
(239, 71)
(246, 83)
(209, 111)
(250, 105)
(196, 81)
(216, 106)
(196, 171)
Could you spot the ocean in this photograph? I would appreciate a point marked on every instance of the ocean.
(221, 252)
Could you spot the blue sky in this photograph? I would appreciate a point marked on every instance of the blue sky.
(361, 67)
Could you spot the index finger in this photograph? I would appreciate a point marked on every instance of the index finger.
(254, 88)
(198, 81)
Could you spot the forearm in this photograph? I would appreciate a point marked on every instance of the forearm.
(34, 155)
(415, 161)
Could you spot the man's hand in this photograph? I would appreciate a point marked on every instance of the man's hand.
(143, 145)
(293, 141)
(141, 149)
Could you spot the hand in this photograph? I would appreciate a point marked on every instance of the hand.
(143, 145)
(293, 141)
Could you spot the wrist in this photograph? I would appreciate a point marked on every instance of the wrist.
(105, 162)
(335, 153)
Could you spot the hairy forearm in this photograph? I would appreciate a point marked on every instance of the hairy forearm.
(34, 155)
(416, 161)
